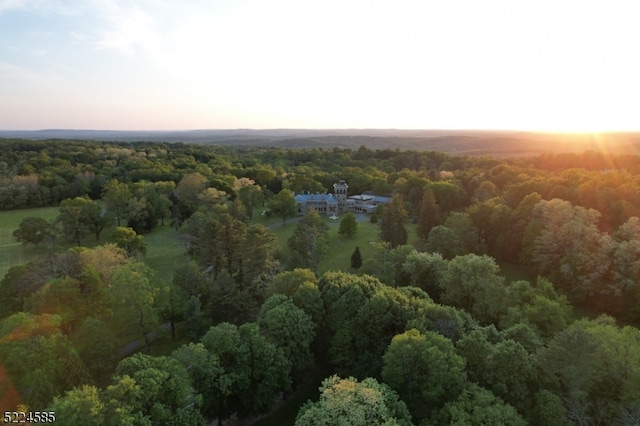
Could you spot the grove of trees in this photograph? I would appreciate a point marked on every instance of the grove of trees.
(498, 291)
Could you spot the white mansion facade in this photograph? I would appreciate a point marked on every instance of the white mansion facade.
(339, 201)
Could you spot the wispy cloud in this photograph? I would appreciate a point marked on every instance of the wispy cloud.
(6, 5)
(38, 6)
(128, 28)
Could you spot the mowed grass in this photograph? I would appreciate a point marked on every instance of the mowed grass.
(165, 248)
(165, 251)
(13, 253)
(338, 256)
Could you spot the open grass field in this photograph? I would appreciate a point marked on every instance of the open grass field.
(165, 250)
(338, 256)
(12, 252)
(341, 248)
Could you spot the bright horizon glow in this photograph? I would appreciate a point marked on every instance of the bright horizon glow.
(551, 66)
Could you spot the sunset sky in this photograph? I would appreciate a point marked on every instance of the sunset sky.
(190, 64)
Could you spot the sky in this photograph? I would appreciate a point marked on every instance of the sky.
(548, 65)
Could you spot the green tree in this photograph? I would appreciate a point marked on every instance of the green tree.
(38, 358)
(80, 216)
(249, 194)
(595, 368)
(474, 283)
(428, 216)
(163, 203)
(538, 306)
(485, 191)
(505, 368)
(342, 295)
(347, 402)
(348, 225)
(257, 255)
(426, 271)
(449, 195)
(291, 329)
(356, 258)
(283, 205)
(164, 394)
(33, 230)
(191, 186)
(288, 282)
(570, 249)
(80, 406)
(425, 371)
(623, 286)
(194, 319)
(358, 345)
(104, 261)
(207, 376)
(127, 239)
(134, 299)
(477, 406)
(392, 227)
(225, 343)
(309, 241)
(74, 299)
(97, 347)
(456, 237)
(117, 196)
(254, 368)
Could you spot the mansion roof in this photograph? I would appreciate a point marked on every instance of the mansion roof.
(327, 198)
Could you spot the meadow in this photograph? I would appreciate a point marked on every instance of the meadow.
(11, 251)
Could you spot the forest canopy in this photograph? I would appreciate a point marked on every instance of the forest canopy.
(485, 290)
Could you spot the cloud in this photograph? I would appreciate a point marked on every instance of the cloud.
(128, 28)
(38, 6)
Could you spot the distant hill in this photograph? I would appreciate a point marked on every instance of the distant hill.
(461, 142)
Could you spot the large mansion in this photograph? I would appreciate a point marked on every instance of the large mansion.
(339, 201)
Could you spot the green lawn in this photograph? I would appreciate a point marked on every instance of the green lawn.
(13, 253)
(165, 250)
(338, 256)
(341, 248)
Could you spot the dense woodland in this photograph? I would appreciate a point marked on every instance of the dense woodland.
(428, 333)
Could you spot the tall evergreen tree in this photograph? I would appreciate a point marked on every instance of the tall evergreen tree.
(356, 258)
(309, 240)
(392, 228)
(429, 215)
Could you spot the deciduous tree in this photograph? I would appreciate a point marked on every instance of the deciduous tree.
(291, 329)
(283, 205)
(80, 216)
(33, 230)
(353, 403)
(134, 299)
(477, 406)
(348, 225)
(164, 394)
(425, 371)
(116, 196)
(127, 239)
